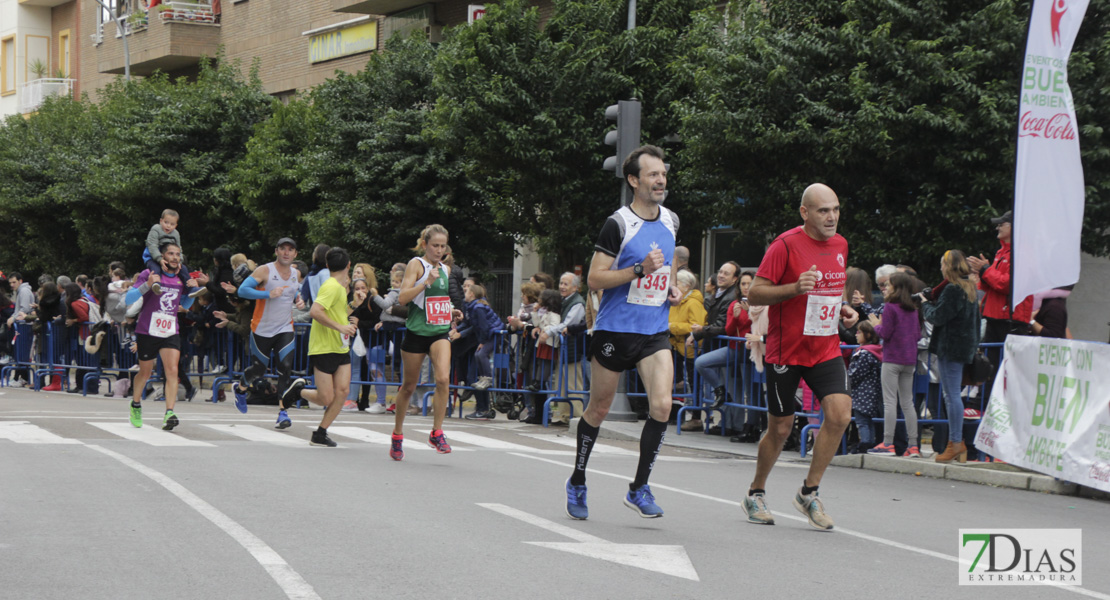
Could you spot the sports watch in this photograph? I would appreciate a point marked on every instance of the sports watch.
(638, 269)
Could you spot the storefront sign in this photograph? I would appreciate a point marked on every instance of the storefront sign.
(343, 42)
(475, 12)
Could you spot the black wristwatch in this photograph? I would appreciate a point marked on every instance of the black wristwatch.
(638, 269)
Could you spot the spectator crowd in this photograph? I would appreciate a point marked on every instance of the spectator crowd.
(910, 336)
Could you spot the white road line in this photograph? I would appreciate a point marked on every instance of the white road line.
(375, 437)
(294, 586)
(543, 523)
(258, 434)
(22, 432)
(841, 530)
(152, 435)
(492, 443)
(607, 449)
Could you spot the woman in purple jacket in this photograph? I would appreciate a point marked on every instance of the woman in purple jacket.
(900, 329)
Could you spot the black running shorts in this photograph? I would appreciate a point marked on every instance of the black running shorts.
(330, 363)
(414, 343)
(620, 352)
(149, 345)
(825, 379)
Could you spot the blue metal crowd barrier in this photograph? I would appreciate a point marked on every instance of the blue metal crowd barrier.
(562, 379)
(22, 354)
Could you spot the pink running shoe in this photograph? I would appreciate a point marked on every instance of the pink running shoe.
(437, 441)
(395, 451)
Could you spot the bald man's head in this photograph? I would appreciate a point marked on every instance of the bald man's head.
(820, 211)
(815, 192)
(682, 255)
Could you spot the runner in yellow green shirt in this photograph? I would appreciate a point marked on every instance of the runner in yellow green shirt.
(329, 343)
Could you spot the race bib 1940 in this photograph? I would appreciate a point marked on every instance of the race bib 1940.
(822, 315)
(651, 289)
(438, 309)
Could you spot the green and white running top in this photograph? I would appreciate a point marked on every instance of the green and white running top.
(430, 312)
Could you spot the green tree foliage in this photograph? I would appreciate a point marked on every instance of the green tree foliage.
(43, 210)
(907, 109)
(378, 178)
(172, 144)
(82, 183)
(267, 181)
(524, 102)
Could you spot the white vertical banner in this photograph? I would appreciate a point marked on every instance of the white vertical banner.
(1048, 186)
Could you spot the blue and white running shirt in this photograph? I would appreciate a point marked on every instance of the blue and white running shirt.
(639, 306)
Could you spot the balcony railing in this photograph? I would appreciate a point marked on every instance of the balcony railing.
(33, 93)
(187, 12)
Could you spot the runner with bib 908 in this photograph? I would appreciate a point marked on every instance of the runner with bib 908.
(424, 288)
(801, 281)
(156, 332)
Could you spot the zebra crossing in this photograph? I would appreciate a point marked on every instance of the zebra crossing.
(211, 435)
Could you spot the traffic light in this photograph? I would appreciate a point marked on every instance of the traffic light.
(626, 137)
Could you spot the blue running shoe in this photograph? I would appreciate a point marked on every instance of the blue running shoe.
(240, 399)
(576, 502)
(641, 501)
(283, 420)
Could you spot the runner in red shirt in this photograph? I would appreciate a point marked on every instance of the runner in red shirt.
(801, 281)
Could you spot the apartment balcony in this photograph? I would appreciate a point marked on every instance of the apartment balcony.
(33, 93)
(375, 7)
(173, 36)
(48, 3)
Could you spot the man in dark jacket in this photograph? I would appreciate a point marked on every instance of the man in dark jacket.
(716, 316)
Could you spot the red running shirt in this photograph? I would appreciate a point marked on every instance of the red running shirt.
(802, 331)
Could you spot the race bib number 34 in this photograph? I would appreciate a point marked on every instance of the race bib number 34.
(651, 289)
(438, 309)
(822, 315)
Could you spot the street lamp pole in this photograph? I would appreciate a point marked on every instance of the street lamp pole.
(123, 33)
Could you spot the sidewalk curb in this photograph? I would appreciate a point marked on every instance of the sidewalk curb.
(981, 473)
(993, 474)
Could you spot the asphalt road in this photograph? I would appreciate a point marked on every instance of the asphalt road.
(244, 511)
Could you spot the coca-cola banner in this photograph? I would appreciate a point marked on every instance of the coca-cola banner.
(1048, 187)
(1048, 410)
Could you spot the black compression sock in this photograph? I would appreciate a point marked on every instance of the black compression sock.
(754, 491)
(806, 490)
(322, 430)
(587, 435)
(136, 404)
(651, 440)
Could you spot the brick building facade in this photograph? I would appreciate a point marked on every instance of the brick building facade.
(297, 43)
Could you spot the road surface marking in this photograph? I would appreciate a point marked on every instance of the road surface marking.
(151, 434)
(258, 434)
(294, 586)
(22, 432)
(851, 532)
(665, 559)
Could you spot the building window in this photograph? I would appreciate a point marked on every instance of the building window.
(63, 53)
(7, 66)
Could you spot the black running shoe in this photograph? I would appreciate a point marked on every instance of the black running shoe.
(293, 392)
(322, 439)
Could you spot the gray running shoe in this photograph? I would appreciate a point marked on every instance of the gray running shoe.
(756, 509)
(812, 508)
